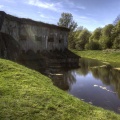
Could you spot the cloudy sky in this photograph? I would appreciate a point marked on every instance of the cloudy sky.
(88, 13)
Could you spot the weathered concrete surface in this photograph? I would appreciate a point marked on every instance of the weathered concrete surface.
(28, 40)
(9, 48)
(33, 35)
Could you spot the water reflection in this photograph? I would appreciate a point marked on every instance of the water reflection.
(62, 78)
(93, 82)
(108, 76)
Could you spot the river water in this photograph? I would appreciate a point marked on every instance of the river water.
(94, 82)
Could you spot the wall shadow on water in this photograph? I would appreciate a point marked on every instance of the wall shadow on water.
(66, 78)
(54, 64)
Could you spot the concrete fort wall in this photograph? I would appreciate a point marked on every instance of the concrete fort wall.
(32, 35)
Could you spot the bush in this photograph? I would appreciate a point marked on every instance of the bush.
(93, 45)
(116, 43)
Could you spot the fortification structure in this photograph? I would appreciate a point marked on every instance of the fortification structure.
(25, 40)
(33, 35)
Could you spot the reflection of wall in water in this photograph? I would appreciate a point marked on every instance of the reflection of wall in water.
(61, 78)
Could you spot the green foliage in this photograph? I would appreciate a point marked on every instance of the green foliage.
(96, 34)
(93, 45)
(67, 21)
(83, 38)
(106, 38)
(79, 45)
(80, 28)
(105, 42)
(116, 20)
(116, 42)
(106, 31)
(116, 36)
(71, 40)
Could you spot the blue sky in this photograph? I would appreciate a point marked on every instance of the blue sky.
(88, 13)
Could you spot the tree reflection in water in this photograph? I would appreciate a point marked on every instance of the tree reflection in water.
(65, 78)
(83, 82)
(105, 73)
(108, 76)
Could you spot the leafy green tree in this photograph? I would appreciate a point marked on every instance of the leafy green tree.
(116, 43)
(93, 45)
(80, 28)
(106, 38)
(116, 36)
(96, 34)
(71, 40)
(82, 39)
(106, 31)
(67, 21)
(116, 20)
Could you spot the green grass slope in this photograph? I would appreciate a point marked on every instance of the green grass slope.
(109, 56)
(28, 95)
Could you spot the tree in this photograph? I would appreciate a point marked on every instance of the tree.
(67, 21)
(96, 34)
(116, 20)
(80, 28)
(71, 40)
(106, 38)
(116, 36)
(83, 38)
(93, 45)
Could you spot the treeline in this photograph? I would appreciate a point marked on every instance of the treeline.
(107, 37)
(101, 38)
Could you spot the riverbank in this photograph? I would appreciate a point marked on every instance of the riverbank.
(110, 56)
(27, 94)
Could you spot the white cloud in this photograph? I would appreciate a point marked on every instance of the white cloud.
(46, 17)
(70, 3)
(1, 6)
(74, 5)
(82, 17)
(46, 5)
(81, 7)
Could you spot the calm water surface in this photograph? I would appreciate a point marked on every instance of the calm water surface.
(91, 83)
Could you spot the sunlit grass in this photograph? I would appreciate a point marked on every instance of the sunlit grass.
(28, 95)
(112, 57)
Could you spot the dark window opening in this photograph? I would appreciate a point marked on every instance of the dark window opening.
(38, 51)
(23, 37)
(60, 41)
(50, 39)
(38, 38)
(23, 51)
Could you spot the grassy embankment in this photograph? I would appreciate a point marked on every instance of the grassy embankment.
(27, 94)
(110, 56)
